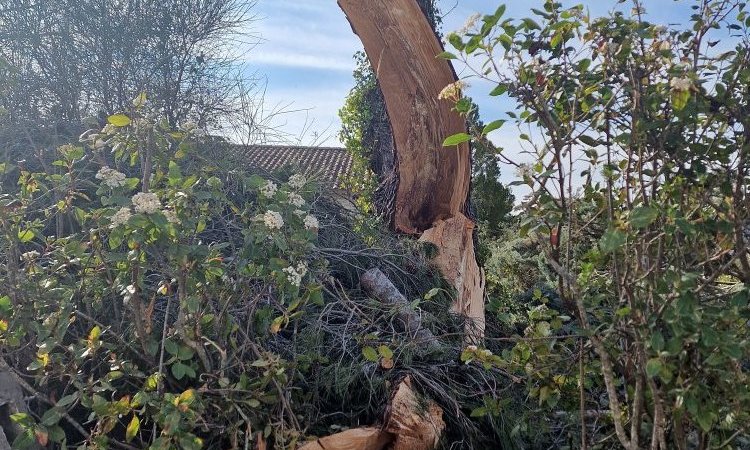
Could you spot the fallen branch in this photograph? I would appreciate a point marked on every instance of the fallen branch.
(377, 285)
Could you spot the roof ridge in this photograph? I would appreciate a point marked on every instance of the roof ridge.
(283, 146)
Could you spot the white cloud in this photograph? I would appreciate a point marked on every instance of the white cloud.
(312, 34)
(301, 60)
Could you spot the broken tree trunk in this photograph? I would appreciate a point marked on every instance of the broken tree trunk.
(432, 182)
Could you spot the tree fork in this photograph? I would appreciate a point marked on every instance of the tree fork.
(433, 182)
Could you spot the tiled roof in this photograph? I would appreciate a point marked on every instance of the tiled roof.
(327, 164)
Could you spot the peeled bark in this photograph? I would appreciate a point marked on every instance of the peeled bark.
(458, 264)
(432, 182)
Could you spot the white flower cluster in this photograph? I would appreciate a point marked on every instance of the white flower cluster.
(120, 217)
(311, 222)
(127, 293)
(296, 199)
(297, 181)
(171, 216)
(453, 91)
(470, 23)
(295, 274)
(269, 189)
(189, 126)
(146, 203)
(111, 177)
(681, 84)
(273, 220)
(30, 255)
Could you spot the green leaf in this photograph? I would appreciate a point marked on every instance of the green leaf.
(680, 99)
(385, 352)
(456, 139)
(705, 418)
(657, 341)
(432, 292)
(51, 417)
(588, 140)
(179, 370)
(556, 40)
(94, 334)
(140, 100)
(25, 235)
(480, 412)
(492, 126)
(446, 55)
(119, 120)
(456, 41)
(133, 427)
(653, 367)
(370, 354)
(612, 240)
(643, 216)
(5, 304)
(500, 89)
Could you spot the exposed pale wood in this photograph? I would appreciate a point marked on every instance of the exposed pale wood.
(458, 264)
(402, 47)
(368, 438)
(410, 424)
(414, 426)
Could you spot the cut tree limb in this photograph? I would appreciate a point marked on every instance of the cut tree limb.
(377, 285)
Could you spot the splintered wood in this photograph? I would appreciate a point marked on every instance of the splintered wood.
(409, 425)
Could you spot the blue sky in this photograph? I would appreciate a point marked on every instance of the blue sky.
(305, 56)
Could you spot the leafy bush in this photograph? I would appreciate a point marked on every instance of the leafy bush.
(638, 180)
(138, 304)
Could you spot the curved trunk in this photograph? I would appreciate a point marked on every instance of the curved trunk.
(432, 183)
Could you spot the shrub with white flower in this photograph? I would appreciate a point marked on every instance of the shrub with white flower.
(121, 217)
(127, 293)
(470, 23)
(111, 177)
(453, 91)
(293, 275)
(681, 83)
(273, 220)
(269, 189)
(30, 255)
(146, 203)
(311, 222)
(297, 181)
(171, 216)
(296, 199)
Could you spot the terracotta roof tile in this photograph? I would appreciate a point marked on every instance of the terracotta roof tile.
(327, 164)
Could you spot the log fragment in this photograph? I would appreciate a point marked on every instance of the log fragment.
(409, 425)
(368, 438)
(378, 286)
(414, 426)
